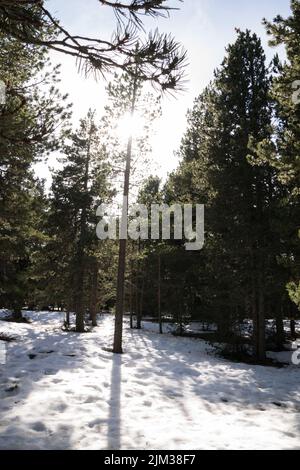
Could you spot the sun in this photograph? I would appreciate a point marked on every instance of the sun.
(129, 126)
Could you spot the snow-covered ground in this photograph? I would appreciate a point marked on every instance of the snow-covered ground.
(65, 391)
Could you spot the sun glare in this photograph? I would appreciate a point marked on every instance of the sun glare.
(129, 125)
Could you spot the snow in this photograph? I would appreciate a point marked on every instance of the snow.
(62, 390)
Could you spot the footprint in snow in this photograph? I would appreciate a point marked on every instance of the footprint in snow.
(60, 407)
(12, 389)
(95, 422)
(224, 400)
(279, 405)
(290, 434)
(91, 399)
(171, 394)
(57, 381)
(39, 427)
(50, 372)
(147, 403)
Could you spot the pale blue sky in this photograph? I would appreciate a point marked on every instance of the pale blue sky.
(204, 27)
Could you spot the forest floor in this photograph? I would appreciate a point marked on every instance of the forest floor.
(62, 390)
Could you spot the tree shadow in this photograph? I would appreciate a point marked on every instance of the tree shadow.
(36, 356)
(220, 384)
(114, 418)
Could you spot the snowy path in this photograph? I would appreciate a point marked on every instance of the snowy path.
(164, 393)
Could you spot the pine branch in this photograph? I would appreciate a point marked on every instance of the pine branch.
(161, 59)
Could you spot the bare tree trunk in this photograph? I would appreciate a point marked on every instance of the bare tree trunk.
(68, 318)
(258, 314)
(120, 299)
(80, 272)
(94, 295)
(137, 305)
(254, 310)
(293, 328)
(279, 328)
(17, 313)
(117, 347)
(259, 340)
(140, 311)
(159, 296)
(79, 299)
(261, 344)
(130, 299)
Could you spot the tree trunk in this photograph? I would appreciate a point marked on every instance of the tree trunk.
(280, 337)
(17, 313)
(259, 339)
(94, 295)
(224, 331)
(140, 310)
(130, 299)
(117, 347)
(120, 299)
(159, 296)
(137, 305)
(80, 272)
(261, 345)
(79, 278)
(79, 308)
(293, 329)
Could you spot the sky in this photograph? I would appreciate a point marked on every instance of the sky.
(203, 27)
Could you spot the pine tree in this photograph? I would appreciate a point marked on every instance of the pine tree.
(78, 189)
(148, 264)
(242, 192)
(283, 152)
(28, 120)
(128, 101)
(242, 198)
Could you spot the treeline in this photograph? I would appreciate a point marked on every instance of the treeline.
(47, 250)
(240, 157)
(50, 256)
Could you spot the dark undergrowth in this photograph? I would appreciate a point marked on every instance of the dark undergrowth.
(6, 337)
(11, 319)
(239, 354)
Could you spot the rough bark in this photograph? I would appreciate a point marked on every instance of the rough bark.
(140, 310)
(94, 295)
(117, 347)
